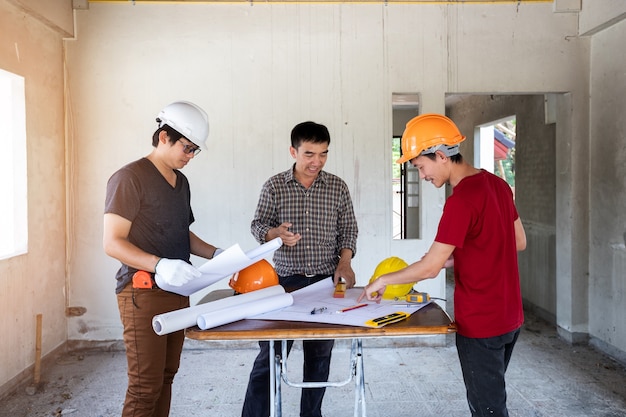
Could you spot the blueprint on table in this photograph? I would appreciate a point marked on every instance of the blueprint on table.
(320, 296)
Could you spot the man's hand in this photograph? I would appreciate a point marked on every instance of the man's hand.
(344, 270)
(175, 272)
(373, 291)
(289, 238)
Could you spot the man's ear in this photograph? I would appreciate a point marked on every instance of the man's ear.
(441, 155)
(163, 137)
(293, 151)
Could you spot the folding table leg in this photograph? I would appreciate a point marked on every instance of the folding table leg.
(275, 372)
(278, 371)
(359, 378)
(272, 380)
(277, 376)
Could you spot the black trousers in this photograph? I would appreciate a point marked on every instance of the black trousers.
(317, 356)
(484, 363)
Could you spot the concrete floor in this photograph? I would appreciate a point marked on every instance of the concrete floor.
(546, 377)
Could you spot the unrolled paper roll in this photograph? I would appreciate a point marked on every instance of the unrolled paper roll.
(232, 260)
(181, 319)
(242, 311)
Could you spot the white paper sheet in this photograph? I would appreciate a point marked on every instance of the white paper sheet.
(227, 263)
(186, 317)
(320, 295)
(242, 311)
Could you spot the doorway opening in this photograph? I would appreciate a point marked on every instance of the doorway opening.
(405, 180)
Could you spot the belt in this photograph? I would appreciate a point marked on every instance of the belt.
(308, 276)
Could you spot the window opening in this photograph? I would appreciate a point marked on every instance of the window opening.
(405, 181)
(397, 188)
(495, 151)
(13, 204)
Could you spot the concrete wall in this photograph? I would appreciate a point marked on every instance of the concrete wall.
(56, 14)
(607, 274)
(597, 15)
(597, 291)
(35, 283)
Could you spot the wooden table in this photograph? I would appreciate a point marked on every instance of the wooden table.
(429, 320)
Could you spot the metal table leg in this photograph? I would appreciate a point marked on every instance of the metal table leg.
(359, 381)
(279, 365)
(275, 393)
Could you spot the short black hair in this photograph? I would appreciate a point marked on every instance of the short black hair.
(173, 134)
(309, 132)
(457, 159)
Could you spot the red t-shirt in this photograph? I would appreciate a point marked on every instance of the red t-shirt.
(478, 220)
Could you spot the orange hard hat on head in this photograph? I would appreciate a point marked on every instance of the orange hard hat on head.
(428, 133)
(259, 275)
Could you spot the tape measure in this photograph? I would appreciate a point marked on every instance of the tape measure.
(388, 319)
(417, 297)
(143, 279)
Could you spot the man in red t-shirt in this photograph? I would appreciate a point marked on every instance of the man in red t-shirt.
(479, 234)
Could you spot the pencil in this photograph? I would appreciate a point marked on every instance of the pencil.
(343, 310)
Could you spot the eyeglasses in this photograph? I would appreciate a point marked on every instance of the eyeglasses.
(187, 149)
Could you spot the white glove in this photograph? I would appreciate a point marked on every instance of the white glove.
(175, 272)
(217, 252)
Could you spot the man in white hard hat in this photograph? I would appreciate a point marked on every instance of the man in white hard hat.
(479, 234)
(146, 227)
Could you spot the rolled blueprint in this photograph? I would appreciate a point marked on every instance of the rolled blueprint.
(225, 264)
(242, 311)
(181, 319)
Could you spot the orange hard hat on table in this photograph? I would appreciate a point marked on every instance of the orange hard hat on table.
(428, 133)
(259, 275)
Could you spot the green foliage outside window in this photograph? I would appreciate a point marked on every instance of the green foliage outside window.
(505, 169)
(508, 166)
(395, 155)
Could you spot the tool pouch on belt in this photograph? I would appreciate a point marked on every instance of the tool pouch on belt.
(144, 279)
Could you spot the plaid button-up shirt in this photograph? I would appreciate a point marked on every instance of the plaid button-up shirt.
(322, 214)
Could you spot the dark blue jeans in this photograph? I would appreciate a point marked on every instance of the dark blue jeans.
(317, 356)
(484, 362)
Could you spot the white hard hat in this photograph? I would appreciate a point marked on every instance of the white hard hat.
(187, 119)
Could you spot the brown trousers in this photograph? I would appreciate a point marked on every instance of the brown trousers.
(153, 360)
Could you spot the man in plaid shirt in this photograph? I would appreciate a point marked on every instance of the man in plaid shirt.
(311, 211)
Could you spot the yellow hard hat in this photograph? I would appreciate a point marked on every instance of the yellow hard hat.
(259, 275)
(428, 133)
(387, 266)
